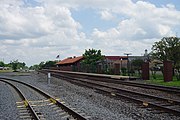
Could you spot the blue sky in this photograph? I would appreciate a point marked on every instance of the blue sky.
(38, 30)
(160, 3)
(90, 19)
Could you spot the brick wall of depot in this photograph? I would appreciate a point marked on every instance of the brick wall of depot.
(145, 71)
(66, 68)
(168, 71)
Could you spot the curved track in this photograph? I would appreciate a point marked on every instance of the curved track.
(33, 107)
(28, 111)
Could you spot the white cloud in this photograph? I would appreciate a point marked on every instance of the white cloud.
(145, 24)
(33, 33)
(106, 15)
(19, 22)
(171, 6)
(144, 21)
(37, 32)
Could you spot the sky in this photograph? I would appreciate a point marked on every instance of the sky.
(33, 31)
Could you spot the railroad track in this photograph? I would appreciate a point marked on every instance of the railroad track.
(121, 80)
(39, 105)
(155, 101)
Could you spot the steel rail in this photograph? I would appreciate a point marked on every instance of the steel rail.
(110, 79)
(133, 92)
(135, 99)
(97, 87)
(26, 102)
(120, 89)
(61, 105)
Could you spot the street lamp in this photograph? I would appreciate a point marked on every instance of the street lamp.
(127, 62)
(121, 67)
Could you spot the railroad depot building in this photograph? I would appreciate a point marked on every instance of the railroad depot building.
(112, 64)
(109, 62)
(70, 63)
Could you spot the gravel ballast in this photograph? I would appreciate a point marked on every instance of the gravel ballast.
(8, 109)
(90, 102)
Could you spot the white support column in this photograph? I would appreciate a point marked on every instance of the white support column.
(49, 78)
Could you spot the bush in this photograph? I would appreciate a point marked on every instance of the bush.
(123, 71)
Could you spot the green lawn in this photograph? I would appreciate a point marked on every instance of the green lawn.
(173, 83)
(160, 81)
(4, 71)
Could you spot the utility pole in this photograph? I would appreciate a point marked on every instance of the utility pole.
(128, 62)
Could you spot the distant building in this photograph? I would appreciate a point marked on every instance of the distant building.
(4, 68)
(112, 60)
(70, 63)
(144, 57)
(112, 64)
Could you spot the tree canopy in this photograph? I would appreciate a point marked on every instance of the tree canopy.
(17, 65)
(49, 64)
(43, 64)
(167, 49)
(137, 64)
(91, 57)
(2, 64)
(34, 67)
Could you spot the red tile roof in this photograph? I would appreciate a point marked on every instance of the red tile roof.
(70, 60)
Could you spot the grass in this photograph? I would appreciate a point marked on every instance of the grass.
(4, 71)
(160, 81)
(173, 83)
(12, 73)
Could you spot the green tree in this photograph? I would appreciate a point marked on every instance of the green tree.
(34, 67)
(2, 64)
(21, 65)
(91, 57)
(17, 65)
(47, 64)
(168, 49)
(41, 65)
(124, 71)
(50, 64)
(137, 64)
(14, 65)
